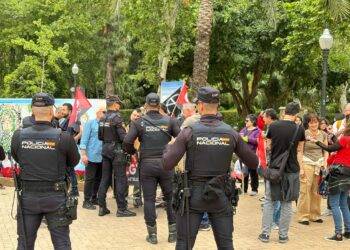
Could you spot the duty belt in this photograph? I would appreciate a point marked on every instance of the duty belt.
(43, 187)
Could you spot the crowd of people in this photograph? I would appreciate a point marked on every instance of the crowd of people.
(320, 157)
(317, 151)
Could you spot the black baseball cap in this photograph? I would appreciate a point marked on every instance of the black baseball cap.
(114, 98)
(208, 95)
(43, 100)
(152, 99)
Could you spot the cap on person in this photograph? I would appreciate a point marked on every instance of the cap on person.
(208, 95)
(43, 100)
(114, 99)
(152, 99)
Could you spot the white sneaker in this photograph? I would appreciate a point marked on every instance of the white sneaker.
(275, 226)
(326, 212)
(253, 193)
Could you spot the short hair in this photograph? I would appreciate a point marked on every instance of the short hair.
(312, 117)
(138, 110)
(68, 105)
(212, 107)
(109, 104)
(292, 108)
(39, 112)
(253, 119)
(271, 113)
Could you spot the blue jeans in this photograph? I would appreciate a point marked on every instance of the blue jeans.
(276, 212)
(339, 205)
(205, 219)
(74, 180)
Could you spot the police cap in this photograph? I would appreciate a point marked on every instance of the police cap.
(208, 95)
(43, 100)
(113, 98)
(152, 99)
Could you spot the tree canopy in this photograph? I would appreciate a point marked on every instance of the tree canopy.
(262, 53)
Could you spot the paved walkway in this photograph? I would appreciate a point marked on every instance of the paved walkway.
(109, 232)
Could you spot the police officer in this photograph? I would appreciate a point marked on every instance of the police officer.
(154, 131)
(44, 154)
(209, 144)
(112, 133)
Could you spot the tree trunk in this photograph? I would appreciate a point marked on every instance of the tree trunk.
(164, 56)
(201, 52)
(109, 78)
(110, 50)
(342, 99)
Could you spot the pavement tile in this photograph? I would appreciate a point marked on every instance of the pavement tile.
(111, 233)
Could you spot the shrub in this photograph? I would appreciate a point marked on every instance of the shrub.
(232, 118)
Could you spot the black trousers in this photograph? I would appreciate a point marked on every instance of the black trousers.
(152, 173)
(220, 216)
(108, 166)
(34, 207)
(254, 180)
(93, 173)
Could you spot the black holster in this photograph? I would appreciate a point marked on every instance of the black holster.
(231, 191)
(178, 191)
(72, 207)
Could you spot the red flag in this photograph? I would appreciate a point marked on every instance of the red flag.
(183, 97)
(261, 151)
(81, 105)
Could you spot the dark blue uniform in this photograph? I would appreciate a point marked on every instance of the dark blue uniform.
(44, 155)
(209, 145)
(154, 131)
(112, 133)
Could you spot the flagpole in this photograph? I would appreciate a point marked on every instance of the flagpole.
(173, 110)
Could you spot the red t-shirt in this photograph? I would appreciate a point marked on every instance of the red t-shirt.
(343, 154)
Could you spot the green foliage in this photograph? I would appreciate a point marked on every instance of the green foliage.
(232, 118)
(263, 53)
(126, 113)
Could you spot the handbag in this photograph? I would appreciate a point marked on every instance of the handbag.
(274, 172)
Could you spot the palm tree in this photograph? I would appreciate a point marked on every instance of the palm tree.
(339, 9)
(202, 48)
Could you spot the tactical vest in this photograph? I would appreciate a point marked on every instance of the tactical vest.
(152, 139)
(39, 156)
(107, 131)
(210, 151)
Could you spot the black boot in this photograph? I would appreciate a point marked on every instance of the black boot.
(152, 234)
(89, 205)
(125, 213)
(172, 233)
(103, 211)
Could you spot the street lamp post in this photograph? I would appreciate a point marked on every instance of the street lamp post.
(326, 41)
(75, 71)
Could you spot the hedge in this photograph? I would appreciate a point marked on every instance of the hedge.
(232, 118)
